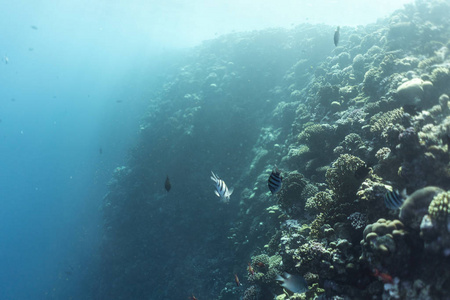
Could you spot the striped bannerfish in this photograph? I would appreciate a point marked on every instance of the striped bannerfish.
(221, 189)
(393, 199)
(274, 181)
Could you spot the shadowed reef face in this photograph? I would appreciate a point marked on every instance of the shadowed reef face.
(335, 121)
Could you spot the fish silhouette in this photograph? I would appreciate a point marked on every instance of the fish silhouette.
(336, 36)
(167, 184)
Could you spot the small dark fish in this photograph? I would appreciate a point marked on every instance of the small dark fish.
(167, 184)
(363, 171)
(100, 150)
(34, 27)
(275, 181)
(236, 279)
(336, 36)
(384, 277)
(261, 265)
(393, 199)
(30, 49)
(118, 101)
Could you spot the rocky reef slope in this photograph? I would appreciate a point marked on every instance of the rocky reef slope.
(346, 126)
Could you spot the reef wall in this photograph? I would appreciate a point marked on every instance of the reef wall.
(346, 126)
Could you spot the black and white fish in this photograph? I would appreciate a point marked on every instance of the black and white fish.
(393, 199)
(222, 190)
(275, 180)
(293, 282)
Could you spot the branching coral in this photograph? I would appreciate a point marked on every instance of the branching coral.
(315, 135)
(341, 176)
(380, 121)
(353, 144)
(291, 192)
(320, 202)
(266, 268)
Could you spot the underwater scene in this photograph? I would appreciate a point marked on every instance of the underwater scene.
(236, 162)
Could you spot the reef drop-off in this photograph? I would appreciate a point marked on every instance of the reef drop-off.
(345, 125)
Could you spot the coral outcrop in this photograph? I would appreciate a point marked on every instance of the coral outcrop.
(346, 126)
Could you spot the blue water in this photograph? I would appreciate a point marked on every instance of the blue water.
(78, 77)
(68, 90)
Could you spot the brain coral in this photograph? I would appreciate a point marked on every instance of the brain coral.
(416, 205)
(410, 90)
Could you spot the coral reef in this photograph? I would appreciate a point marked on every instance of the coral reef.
(385, 244)
(416, 205)
(265, 269)
(435, 226)
(345, 125)
(291, 197)
(341, 176)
